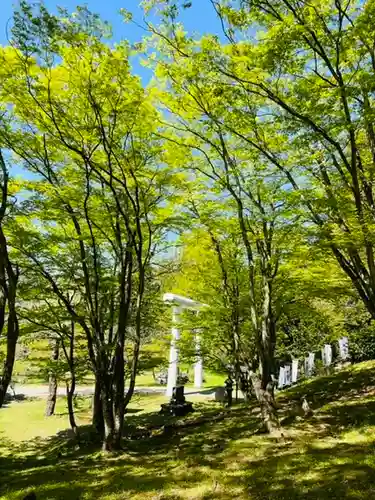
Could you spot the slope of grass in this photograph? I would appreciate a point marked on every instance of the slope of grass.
(330, 455)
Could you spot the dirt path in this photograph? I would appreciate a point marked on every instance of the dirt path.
(41, 391)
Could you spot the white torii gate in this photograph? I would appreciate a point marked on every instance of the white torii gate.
(178, 303)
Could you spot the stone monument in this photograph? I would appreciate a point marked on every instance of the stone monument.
(287, 375)
(327, 355)
(294, 371)
(220, 394)
(177, 406)
(310, 364)
(281, 381)
(344, 348)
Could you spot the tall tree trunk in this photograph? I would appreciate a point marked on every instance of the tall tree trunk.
(12, 337)
(265, 392)
(109, 439)
(97, 407)
(8, 286)
(119, 378)
(119, 389)
(266, 398)
(263, 382)
(52, 380)
(70, 389)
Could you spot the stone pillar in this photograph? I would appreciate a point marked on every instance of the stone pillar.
(294, 370)
(344, 348)
(327, 355)
(287, 375)
(173, 353)
(198, 367)
(310, 364)
(281, 382)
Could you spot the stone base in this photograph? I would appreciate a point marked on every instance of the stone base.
(177, 409)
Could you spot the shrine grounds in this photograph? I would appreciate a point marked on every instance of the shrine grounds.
(214, 453)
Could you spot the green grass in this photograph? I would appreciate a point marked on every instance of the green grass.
(330, 455)
(144, 379)
(211, 379)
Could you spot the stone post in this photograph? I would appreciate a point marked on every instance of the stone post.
(327, 355)
(198, 367)
(173, 353)
(294, 370)
(344, 348)
(287, 375)
(281, 382)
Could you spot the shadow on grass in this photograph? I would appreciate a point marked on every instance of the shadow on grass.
(9, 398)
(337, 472)
(217, 460)
(353, 383)
(56, 468)
(153, 466)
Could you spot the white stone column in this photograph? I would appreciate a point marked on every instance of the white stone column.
(198, 367)
(173, 353)
(294, 370)
(344, 348)
(327, 354)
(281, 382)
(288, 375)
(310, 364)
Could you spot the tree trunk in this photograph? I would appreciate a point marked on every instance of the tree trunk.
(52, 382)
(266, 398)
(133, 373)
(119, 389)
(70, 389)
(8, 288)
(109, 439)
(12, 337)
(264, 383)
(267, 343)
(97, 409)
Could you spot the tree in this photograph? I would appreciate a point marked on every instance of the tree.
(250, 188)
(211, 269)
(86, 129)
(46, 319)
(52, 378)
(300, 102)
(305, 102)
(9, 274)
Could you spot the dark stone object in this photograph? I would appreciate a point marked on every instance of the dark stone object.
(178, 394)
(182, 379)
(177, 406)
(30, 496)
(229, 391)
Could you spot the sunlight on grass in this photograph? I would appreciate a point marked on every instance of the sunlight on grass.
(330, 455)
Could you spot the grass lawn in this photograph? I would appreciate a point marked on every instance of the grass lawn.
(330, 455)
(211, 379)
(144, 379)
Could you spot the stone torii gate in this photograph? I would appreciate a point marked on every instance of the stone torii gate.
(179, 303)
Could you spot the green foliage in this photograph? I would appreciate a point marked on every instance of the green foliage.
(362, 343)
(251, 157)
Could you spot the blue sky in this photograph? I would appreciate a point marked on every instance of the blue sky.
(200, 18)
